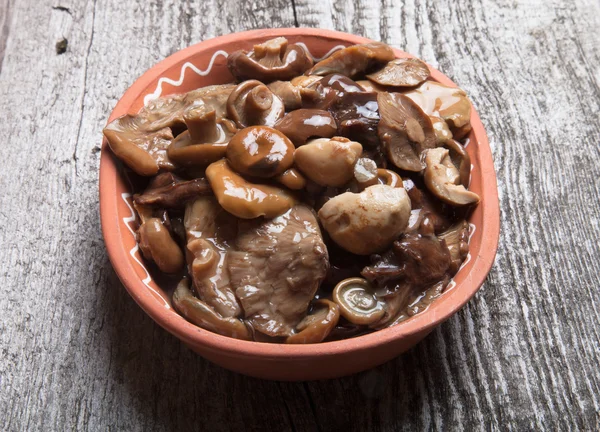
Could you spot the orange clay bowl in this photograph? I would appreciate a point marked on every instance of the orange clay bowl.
(205, 64)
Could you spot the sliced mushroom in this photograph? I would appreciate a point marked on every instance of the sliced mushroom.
(302, 124)
(291, 179)
(244, 199)
(314, 328)
(199, 313)
(443, 179)
(260, 151)
(204, 142)
(460, 159)
(169, 191)
(354, 60)
(367, 222)
(270, 61)
(288, 93)
(252, 103)
(143, 151)
(328, 162)
(457, 242)
(404, 130)
(357, 301)
(404, 72)
(449, 103)
(156, 243)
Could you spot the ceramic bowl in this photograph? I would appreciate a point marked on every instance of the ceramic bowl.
(204, 64)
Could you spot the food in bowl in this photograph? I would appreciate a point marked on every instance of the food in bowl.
(305, 202)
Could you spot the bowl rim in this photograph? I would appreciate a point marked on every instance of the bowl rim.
(191, 334)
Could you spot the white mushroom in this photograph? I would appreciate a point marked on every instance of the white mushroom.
(366, 222)
(328, 161)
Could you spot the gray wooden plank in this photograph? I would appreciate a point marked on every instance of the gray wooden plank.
(77, 353)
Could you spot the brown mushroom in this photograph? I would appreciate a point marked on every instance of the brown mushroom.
(252, 103)
(367, 222)
(325, 92)
(390, 178)
(199, 313)
(244, 199)
(328, 161)
(443, 179)
(302, 124)
(371, 87)
(291, 179)
(357, 117)
(357, 301)
(448, 103)
(354, 60)
(143, 151)
(315, 327)
(270, 61)
(441, 129)
(457, 242)
(169, 191)
(289, 94)
(155, 241)
(260, 151)
(404, 72)
(204, 142)
(461, 160)
(404, 130)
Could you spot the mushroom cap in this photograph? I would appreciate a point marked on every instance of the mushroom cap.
(252, 103)
(404, 130)
(443, 179)
(457, 241)
(270, 61)
(158, 246)
(315, 327)
(461, 160)
(354, 59)
(357, 301)
(448, 103)
(244, 199)
(367, 222)
(289, 94)
(357, 117)
(169, 191)
(199, 313)
(365, 172)
(260, 151)
(404, 72)
(441, 129)
(328, 161)
(302, 124)
(204, 142)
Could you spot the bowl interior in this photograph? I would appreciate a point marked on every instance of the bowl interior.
(205, 64)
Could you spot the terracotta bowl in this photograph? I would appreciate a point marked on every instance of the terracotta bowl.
(204, 64)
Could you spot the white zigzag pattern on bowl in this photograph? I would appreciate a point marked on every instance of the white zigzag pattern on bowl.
(134, 252)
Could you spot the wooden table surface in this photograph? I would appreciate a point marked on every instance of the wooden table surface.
(78, 353)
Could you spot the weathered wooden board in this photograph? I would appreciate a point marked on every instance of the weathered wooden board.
(77, 353)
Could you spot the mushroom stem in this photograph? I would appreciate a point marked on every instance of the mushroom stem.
(258, 101)
(202, 124)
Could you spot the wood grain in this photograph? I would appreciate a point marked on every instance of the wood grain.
(77, 353)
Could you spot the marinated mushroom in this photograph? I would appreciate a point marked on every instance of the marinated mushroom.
(238, 173)
(442, 178)
(289, 94)
(169, 191)
(204, 141)
(199, 313)
(260, 151)
(448, 103)
(404, 130)
(404, 72)
(156, 243)
(244, 199)
(328, 162)
(302, 124)
(354, 60)
(357, 301)
(316, 327)
(367, 222)
(270, 61)
(252, 103)
(291, 179)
